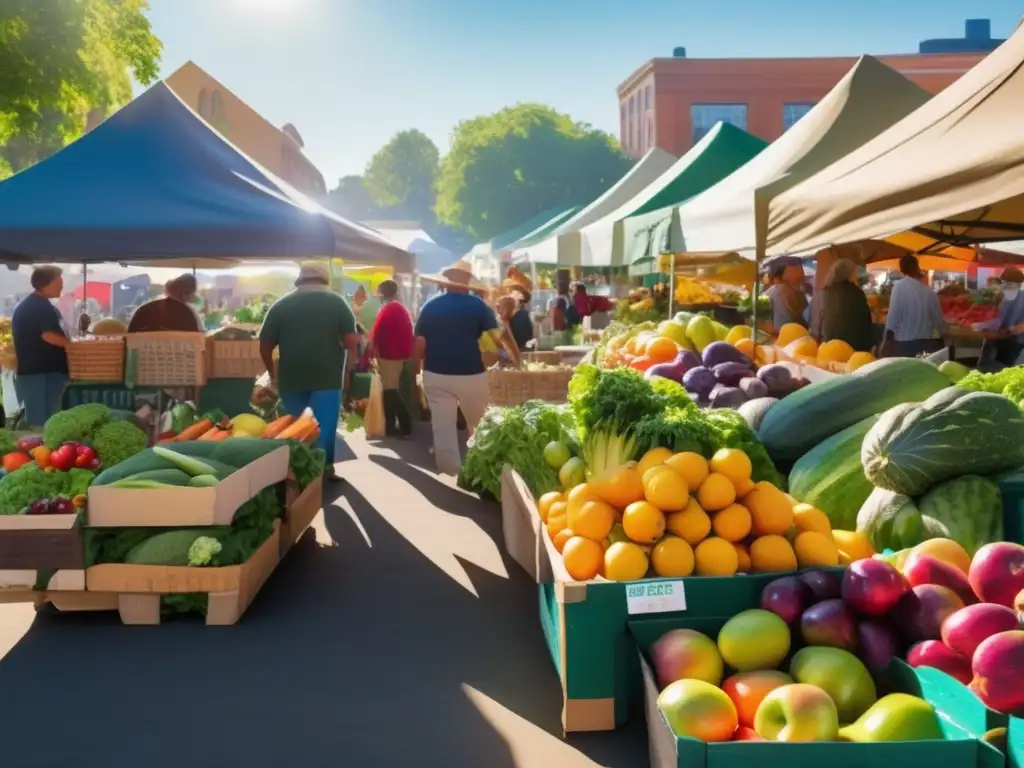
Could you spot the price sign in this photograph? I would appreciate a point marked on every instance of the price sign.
(655, 596)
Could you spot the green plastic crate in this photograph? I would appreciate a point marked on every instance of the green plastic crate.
(585, 627)
(1012, 488)
(1015, 743)
(963, 723)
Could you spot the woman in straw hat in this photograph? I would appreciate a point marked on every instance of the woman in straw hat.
(521, 287)
(1007, 331)
(448, 332)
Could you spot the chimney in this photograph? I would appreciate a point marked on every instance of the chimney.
(978, 29)
(679, 52)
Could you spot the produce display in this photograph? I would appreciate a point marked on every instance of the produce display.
(1008, 382)
(960, 307)
(691, 291)
(739, 686)
(795, 343)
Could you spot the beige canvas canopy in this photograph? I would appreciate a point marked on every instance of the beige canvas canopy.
(952, 171)
(732, 215)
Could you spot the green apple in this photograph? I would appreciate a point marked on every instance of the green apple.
(840, 674)
(797, 712)
(670, 329)
(701, 332)
(572, 473)
(556, 454)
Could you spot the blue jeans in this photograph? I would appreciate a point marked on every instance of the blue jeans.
(40, 393)
(326, 407)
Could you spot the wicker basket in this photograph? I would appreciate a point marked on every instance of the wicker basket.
(551, 357)
(8, 359)
(510, 386)
(168, 358)
(96, 360)
(234, 359)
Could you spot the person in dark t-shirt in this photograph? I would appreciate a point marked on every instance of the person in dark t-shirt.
(40, 343)
(173, 312)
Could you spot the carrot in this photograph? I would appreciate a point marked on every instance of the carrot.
(277, 426)
(215, 434)
(308, 428)
(223, 434)
(300, 427)
(312, 437)
(194, 432)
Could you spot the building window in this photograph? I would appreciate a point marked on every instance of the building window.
(204, 104)
(792, 112)
(622, 123)
(650, 134)
(647, 97)
(704, 117)
(217, 107)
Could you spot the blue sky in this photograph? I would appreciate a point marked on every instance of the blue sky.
(351, 73)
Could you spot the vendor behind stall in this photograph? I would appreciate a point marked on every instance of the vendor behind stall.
(173, 312)
(520, 287)
(40, 341)
(915, 315)
(1007, 331)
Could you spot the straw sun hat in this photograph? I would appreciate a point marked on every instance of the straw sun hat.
(516, 282)
(458, 275)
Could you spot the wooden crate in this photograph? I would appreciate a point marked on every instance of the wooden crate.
(98, 360)
(167, 358)
(234, 359)
(134, 591)
(301, 508)
(521, 527)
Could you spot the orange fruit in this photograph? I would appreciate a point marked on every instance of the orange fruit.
(808, 518)
(732, 523)
(625, 561)
(815, 550)
(692, 466)
(743, 557)
(662, 349)
(544, 503)
(666, 489)
(593, 521)
(789, 333)
(580, 495)
(802, 349)
(858, 360)
(672, 557)
(716, 492)
(620, 486)
(643, 522)
(746, 346)
(642, 363)
(733, 463)
(946, 550)
(653, 458)
(835, 351)
(557, 520)
(692, 525)
(583, 558)
(716, 557)
(744, 487)
(560, 538)
(856, 546)
(772, 554)
(771, 511)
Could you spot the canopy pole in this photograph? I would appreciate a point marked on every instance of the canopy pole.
(85, 298)
(755, 292)
(671, 284)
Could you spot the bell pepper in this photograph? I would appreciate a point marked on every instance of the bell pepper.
(42, 456)
(63, 459)
(84, 456)
(15, 460)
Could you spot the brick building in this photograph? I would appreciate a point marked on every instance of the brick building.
(671, 103)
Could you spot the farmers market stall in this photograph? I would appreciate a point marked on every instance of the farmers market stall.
(93, 519)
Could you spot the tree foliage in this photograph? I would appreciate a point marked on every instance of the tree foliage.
(351, 199)
(60, 59)
(403, 172)
(507, 167)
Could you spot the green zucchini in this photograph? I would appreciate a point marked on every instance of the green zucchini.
(203, 481)
(189, 464)
(167, 476)
(143, 461)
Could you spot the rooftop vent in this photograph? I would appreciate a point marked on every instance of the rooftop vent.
(679, 52)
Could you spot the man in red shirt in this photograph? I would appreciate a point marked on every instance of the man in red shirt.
(392, 341)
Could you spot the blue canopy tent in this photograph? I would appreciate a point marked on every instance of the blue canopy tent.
(155, 181)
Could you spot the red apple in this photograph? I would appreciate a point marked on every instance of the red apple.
(997, 572)
(829, 623)
(998, 667)
(682, 654)
(876, 644)
(743, 733)
(924, 569)
(787, 598)
(797, 712)
(823, 586)
(965, 630)
(873, 587)
(920, 613)
(936, 654)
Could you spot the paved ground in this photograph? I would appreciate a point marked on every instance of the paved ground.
(402, 636)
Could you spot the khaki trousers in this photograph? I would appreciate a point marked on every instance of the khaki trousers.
(390, 372)
(445, 395)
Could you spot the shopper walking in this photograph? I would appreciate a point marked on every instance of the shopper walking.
(448, 332)
(315, 331)
(915, 320)
(173, 312)
(40, 345)
(845, 312)
(789, 295)
(391, 340)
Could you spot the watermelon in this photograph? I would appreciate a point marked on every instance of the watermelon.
(816, 412)
(967, 509)
(952, 433)
(890, 520)
(830, 476)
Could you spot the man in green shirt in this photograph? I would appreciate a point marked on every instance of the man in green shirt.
(315, 331)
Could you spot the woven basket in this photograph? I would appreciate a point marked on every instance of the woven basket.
(234, 359)
(8, 359)
(552, 357)
(96, 360)
(168, 358)
(510, 386)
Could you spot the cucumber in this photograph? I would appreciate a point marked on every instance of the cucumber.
(189, 464)
(200, 449)
(203, 481)
(138, 484)
(144, 461)
(167, 476)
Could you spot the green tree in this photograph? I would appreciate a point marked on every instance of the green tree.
(351, 199)
(507, 167)
(59, 59)
(403, 172)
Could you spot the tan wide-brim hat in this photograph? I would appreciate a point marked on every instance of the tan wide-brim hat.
(1011, 275)
(517, 281)
(458, 275)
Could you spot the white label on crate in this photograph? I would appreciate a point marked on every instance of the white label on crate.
(655, 596)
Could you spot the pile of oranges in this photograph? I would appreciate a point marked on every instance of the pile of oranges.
(678, 514)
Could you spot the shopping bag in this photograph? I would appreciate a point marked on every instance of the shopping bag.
(373, 417)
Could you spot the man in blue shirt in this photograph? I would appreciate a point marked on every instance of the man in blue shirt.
(448, 332)
(915, 320)
(1007, 331)
(40, 342)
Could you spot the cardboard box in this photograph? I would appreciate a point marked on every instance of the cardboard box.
(961, 747)
(135, 590)
(28, 585)
(184, 507)
(301, 508)
(521, 526)
(32, 542)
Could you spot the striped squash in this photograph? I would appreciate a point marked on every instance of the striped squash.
(952, 433)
